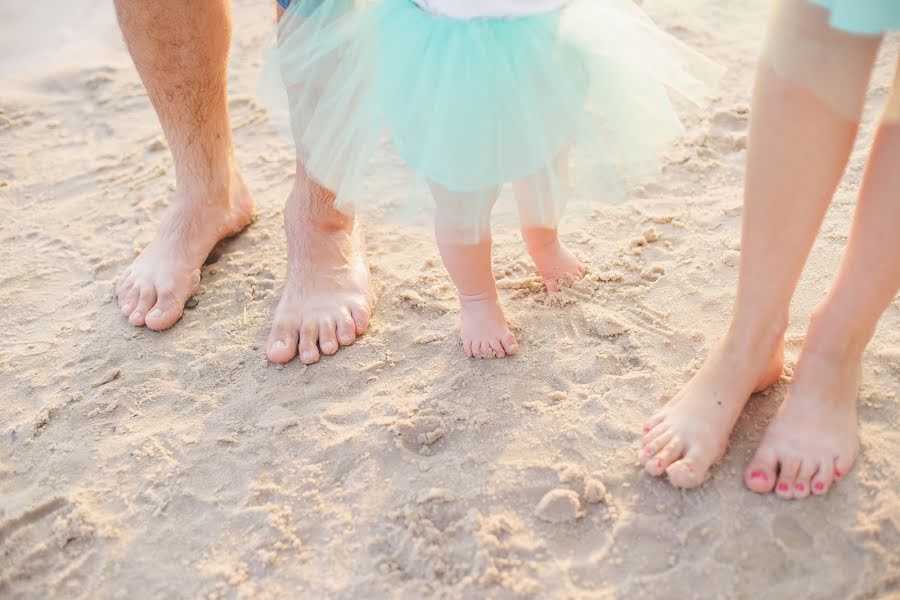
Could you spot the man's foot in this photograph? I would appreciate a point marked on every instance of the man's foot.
(327, 298)
(812, 441)
(485, 333)
(553, 260)
(153, 290)
(690, 433)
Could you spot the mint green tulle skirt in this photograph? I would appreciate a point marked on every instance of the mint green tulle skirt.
(470, 105)
(863, 17)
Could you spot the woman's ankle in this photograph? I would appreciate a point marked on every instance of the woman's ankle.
(757, 332)
(837, 332)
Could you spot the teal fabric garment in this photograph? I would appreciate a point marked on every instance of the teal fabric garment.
(472, 104)
(863, 17)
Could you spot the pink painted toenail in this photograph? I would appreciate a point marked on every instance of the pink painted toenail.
(838, 474)
(646, 429)
(658, 462)
(799, 487)
(820, 486)
(759, 475)
(783, 487)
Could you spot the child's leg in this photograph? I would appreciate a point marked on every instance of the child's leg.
(813, 437)
(798, 148)
(539, 198)
(485, 333)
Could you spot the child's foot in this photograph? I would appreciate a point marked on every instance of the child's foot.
(812, 441)
(485, 333)
(553, 260)
(690, 433)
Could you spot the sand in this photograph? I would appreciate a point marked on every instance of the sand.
(136, 464)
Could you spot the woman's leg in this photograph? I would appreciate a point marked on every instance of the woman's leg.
(812, 441)
(798, 148)
(463, 231)
(541, 201)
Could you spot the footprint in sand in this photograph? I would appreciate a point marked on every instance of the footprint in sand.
(50, 550)
(419, 434)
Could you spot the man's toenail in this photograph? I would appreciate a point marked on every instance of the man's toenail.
(759, 475)
(799, 487)
(820, 486)
(278, 345)
(136, 315)
(155, 313)
(783, 487)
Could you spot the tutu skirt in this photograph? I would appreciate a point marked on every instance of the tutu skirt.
(863, 17)
(472, 104)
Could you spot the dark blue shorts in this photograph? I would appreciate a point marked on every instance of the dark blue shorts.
(307, 7)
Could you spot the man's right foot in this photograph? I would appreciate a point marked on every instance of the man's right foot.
(327, 299)
(153, 290)
(690, 433)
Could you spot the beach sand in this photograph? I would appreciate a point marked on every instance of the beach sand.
(182, 464)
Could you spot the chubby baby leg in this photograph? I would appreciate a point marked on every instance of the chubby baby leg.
(462, 228)
(541, 200)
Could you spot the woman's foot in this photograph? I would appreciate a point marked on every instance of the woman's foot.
(812, 441)
(153, 290)
(553, 260)
(690, 433)
(485, 333)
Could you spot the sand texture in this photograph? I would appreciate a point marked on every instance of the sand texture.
(135, 464)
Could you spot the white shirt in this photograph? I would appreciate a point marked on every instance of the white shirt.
(470, 9)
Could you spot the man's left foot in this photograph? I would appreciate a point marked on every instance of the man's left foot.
(327, 299)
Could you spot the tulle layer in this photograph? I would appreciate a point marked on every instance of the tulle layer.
(470, 105)
(863, 17)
